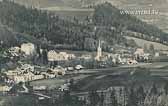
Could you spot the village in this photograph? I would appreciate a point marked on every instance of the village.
(59, 63)
(83, 53)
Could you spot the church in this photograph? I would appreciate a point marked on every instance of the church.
(99, 52)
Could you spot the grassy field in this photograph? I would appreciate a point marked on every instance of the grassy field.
(92, 83)
(141, 43)
(22, 100)
(56, 82)
(155, 65)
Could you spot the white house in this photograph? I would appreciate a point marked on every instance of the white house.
(62, 56)
(86, 57)
(4, 88)
(28, 49)
(26, 68)
(157, 54)
(59, 70)
(14, 51)
(139, 52)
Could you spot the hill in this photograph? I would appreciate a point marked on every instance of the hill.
(159, 20)
(142, 42)
(45, 26)
(7, 37)
(108, 15)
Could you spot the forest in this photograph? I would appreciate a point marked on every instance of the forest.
(53, 30)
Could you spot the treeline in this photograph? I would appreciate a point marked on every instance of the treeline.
(108, 15)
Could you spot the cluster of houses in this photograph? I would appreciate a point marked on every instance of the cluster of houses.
(22, 74)
(59, 56)
(122, 56)
(26, 49)
(27, 73)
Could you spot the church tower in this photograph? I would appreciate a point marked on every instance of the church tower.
(99, 52)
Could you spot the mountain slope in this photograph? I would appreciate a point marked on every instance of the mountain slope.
(160, 20)
(7, 37)
(142, 42)
(44, 26)
(108, 15)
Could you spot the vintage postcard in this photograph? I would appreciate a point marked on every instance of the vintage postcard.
(83, 52)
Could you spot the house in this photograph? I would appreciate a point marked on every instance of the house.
(157, 54)
(64, 87)
(26, 68)
(28, 48)
(14, 51)
(22, 76)
(61, 56)
(19, 78)
(79, 67)
(38, 77)
(4, 88)
(59, 70)
(70, 69)
(86, 57)
(140, 55)
(12, 73)
(26, 77)
(39, 88)
(139, 52)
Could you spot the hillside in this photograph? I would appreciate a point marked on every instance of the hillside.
(142, 42)
(108, 15)
(44, 26)
(160, 20)
(7, 37)
(41, 25)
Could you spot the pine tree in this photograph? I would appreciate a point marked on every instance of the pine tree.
(140, 95)
(132, 101)
(102, 99)
(113, 98)
(94, 98)
(153, 90)
(166, 88)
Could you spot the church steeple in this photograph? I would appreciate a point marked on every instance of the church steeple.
(99, 52)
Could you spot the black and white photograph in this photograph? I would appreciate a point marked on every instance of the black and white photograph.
(83, 52)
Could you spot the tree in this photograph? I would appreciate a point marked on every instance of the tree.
(132, 100)
(102, 99)
(94, 98)
(38, 51)
(151, 49)
(113, 98)
(151, 99)
(67, 98)
(44, 56)
(153, 90)
(145, 47)
(71, 86)
(140, 95)
(126, 96)
(166, 88)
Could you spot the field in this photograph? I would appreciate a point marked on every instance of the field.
(22, 100)
(141, 43)
(56, 82)
(155, 65)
